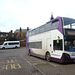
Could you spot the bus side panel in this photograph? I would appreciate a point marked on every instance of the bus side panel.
(43, 38)
(49, 45)
(33, 52)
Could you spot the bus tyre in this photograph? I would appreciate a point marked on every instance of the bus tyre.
(29, 53)
(47, 57)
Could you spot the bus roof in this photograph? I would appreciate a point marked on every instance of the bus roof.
(46, 23)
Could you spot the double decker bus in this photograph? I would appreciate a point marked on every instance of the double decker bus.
(53, 41)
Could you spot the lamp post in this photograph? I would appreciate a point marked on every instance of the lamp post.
(20, 32)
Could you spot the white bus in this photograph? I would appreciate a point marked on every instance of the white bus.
(10, 44)
(54, 41)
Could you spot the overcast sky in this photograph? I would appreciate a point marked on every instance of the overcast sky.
(32, 13)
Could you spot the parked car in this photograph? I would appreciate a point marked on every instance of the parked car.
(10, 44)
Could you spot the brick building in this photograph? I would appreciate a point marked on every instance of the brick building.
(20, 34)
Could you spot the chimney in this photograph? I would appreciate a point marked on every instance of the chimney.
(27, 28)
(20, 29)
(11, 31)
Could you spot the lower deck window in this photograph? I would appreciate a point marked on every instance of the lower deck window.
(37, 45)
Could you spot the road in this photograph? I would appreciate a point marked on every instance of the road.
(17, 62)
(13, 62)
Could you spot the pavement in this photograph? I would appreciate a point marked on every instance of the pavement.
(52, 68)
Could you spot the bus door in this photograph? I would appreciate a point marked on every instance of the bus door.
(57, 48)
(49, 44)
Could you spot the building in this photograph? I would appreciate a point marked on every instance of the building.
(4, 35)
(20, 34)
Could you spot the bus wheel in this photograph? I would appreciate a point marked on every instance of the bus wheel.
(47, 57)
(29, 53)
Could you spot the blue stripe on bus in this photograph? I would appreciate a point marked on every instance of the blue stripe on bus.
(71, 50)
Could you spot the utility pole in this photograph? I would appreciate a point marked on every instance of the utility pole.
(20, 32)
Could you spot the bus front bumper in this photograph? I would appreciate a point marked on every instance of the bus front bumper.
(64, 59)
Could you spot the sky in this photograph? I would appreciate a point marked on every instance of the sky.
(32, 13)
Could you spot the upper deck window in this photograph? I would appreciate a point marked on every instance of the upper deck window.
(68, 22)
(48, 27)
(55, 24)
(33, 32)
(37, 30)
(42, 28)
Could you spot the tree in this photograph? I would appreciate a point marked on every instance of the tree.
(10, 38)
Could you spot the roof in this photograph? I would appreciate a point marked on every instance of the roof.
(22, 30)
(4, 33)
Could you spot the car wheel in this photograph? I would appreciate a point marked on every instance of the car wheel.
(3, 48)
(16, 47)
